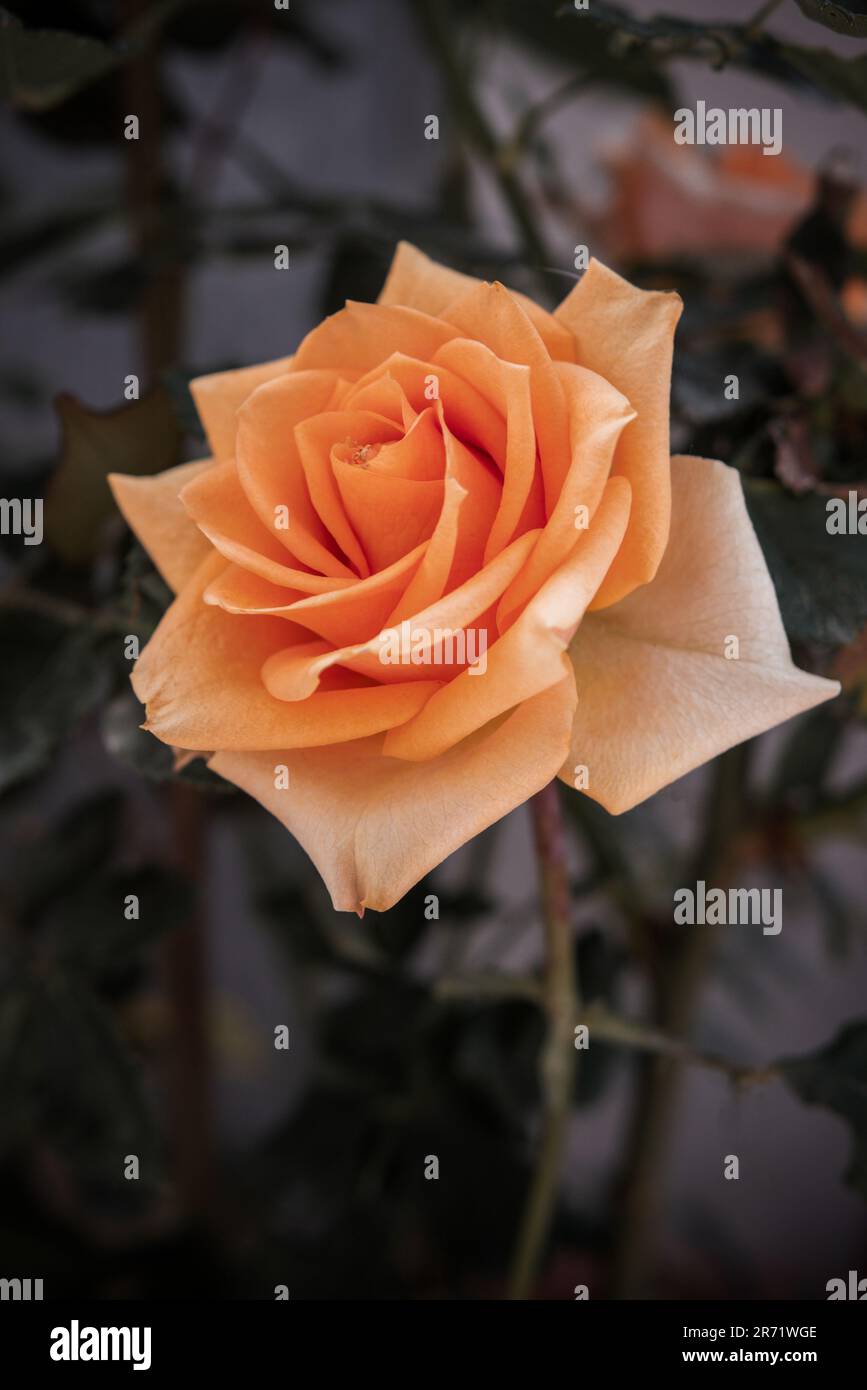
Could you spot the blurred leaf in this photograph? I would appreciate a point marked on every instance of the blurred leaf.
(76, 1086)
(836, 1078)
(821, 580)
(94, 937)
(849, 18)
(51, 675)
(141, 437)
(496, 1057)
(72, 846)
(806, 756)
(699, 382)
(39, 68)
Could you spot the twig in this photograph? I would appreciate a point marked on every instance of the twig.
(625, 1032)
(755, 25)
(478, 129)
(557, 1061)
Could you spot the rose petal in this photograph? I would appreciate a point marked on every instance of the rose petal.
(598, 415)
(417, 282)
(373, 826)
(507, 386)
(153, 509)
(362, 336)
(199, 677)
(489, 314)
(627, 335)
(656, 694)
(269, 465)
(218, 504)
(221, 394)
(531, 656)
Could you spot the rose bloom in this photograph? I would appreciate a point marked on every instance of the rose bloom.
(455, 458)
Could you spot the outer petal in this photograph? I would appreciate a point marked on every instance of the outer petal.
(417, 282)
(626, 335)
(221, 394)
(200, 678)
(656, 695)
(374, 825)
(152, 508)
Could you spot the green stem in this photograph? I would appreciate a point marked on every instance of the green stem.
(557, 1060)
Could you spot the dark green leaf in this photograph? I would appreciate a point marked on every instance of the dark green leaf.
(836, 1078)
(849, 18)
(39, 68)
(142, 437)
(821, 580)
(50, 676)
(93, 934)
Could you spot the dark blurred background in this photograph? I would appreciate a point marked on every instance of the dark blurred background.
(154, 1037)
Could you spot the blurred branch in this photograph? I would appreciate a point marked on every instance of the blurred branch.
(535, 117)
(611, 1028)
(761, 17)
(478, 129)
(557, 1061)
(678, 989)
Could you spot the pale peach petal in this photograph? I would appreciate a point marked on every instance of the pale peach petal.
(199, 677)
(153, 510)
(656, 694)
(532, 655)
(269, 465)
(627, 335)
(417, 282)
(362, 336)
(598, 415)
(489, 314)
(221, 394)
(373, 826)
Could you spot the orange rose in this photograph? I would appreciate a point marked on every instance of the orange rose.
(454, 460)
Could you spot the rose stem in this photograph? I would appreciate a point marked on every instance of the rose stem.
(558, 1055)
(657, 1081)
